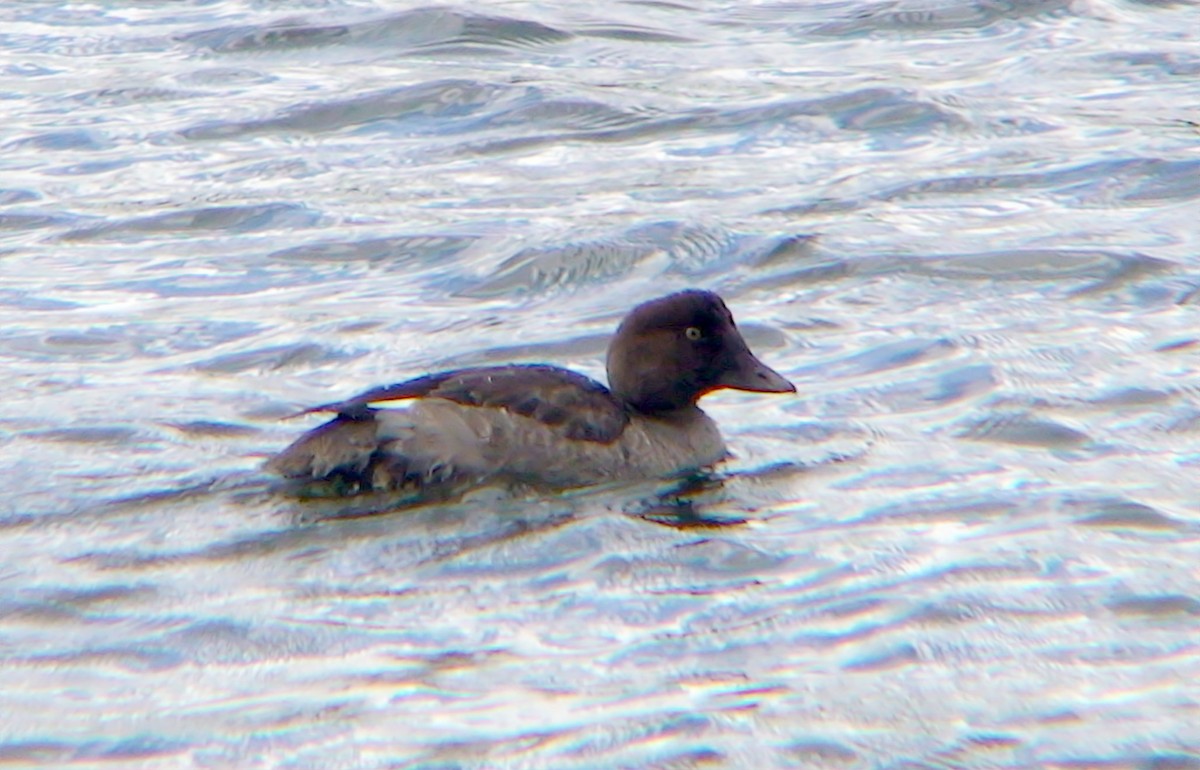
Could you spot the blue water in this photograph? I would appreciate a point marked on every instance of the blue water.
(967, 230)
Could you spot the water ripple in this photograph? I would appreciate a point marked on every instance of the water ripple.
(964, 228)
(924, 15)
(217, 219)
(428, 28)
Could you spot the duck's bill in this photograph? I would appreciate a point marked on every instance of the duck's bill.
(753, 375)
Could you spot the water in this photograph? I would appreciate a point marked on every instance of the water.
(967, 231)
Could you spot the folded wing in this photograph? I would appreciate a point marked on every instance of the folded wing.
(585, 409)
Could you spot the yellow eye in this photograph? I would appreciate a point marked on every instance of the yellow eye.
(692, 333)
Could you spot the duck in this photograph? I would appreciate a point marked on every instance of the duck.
(542, 426)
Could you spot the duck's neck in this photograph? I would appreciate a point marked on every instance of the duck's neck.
(682, 414)
(649, 394)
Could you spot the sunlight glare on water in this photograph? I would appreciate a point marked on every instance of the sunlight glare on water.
(966, 230)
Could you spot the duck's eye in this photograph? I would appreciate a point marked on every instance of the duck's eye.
(693, 333)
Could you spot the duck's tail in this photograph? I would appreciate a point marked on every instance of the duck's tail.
(419, 449)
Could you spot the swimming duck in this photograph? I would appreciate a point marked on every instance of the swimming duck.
(544, 426)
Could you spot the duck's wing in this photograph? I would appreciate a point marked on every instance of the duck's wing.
(559, 398)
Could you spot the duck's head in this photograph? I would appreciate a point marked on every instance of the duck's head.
(670, 351)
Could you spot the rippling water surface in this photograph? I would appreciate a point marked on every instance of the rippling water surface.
(967, 230)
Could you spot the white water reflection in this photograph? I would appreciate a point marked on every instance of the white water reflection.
(965, 230)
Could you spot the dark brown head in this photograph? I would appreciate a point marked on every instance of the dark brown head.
(670, 351)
